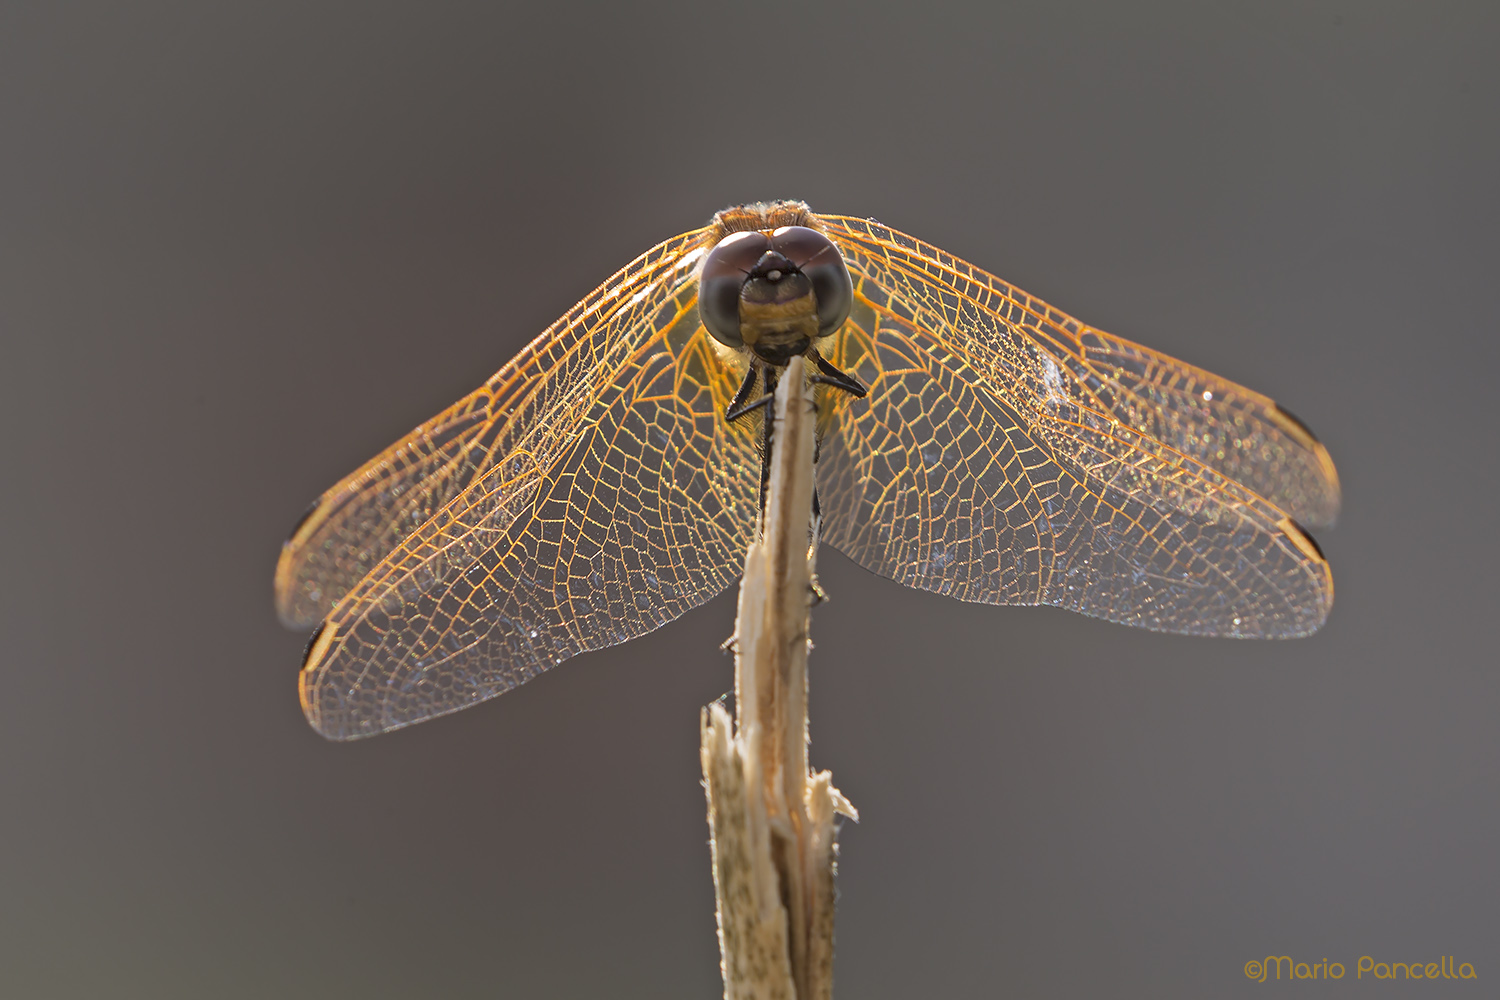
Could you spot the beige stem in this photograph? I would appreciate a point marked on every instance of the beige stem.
(772, 822)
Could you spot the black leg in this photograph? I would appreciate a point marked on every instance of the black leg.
(767, 439)
(819, 595)
(740, 404)
(749, 407)
(838, 379)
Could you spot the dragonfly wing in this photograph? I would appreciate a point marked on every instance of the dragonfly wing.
(622, 500)
(1232, 430)
(354, 525)
(1010, 455)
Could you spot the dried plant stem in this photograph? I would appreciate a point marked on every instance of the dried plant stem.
(772, 822)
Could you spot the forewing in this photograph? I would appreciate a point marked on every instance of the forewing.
(1009, 454)
(353, 526)
(621, 500)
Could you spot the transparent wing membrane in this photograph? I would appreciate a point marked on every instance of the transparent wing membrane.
(592, 489)
(354, 525)
(1009, 454)
(612, 500)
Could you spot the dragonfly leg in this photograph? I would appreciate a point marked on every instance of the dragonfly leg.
(742, 404)
(767, 438)
(848, 383)
(818, 594)
(836, 378)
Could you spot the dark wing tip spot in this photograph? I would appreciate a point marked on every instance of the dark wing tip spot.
(303, 519)
(1310, 539)
(1294, 419)
(312, 641)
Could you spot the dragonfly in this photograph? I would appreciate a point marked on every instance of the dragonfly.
(973, 441)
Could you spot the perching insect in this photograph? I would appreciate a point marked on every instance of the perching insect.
(973, 441)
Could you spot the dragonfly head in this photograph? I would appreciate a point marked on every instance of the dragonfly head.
(775, 293)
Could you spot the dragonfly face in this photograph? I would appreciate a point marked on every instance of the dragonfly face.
(774, 293)
(593, 489)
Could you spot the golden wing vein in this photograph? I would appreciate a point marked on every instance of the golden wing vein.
(591, 490)
(355, 524)
(1049, 478)
(622, 502)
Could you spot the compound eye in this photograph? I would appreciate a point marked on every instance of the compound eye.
(817, 258)
(724, 272)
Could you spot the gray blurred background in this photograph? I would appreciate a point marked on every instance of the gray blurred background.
(244, 248)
